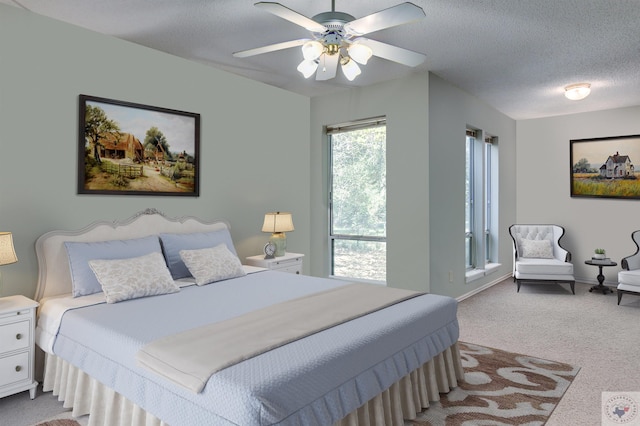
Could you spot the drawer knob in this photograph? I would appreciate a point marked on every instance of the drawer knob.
(18, 336)
(18, 368)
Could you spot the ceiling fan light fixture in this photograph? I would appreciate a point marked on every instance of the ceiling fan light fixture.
(307, 68)
(578, 91)
(360, 53)
(312, 50)
(336, 37)
(350, 69)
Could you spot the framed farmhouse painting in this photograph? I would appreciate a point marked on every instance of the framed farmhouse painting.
(605, 167)
(132, 149)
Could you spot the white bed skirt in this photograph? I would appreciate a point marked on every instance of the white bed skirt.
(403, 400)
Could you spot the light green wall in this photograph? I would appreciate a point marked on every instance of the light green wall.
(405, 103)
(254, 137)
(262, 149)
(451, 110)
(543, 176)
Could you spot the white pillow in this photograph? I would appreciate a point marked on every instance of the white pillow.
(212, 264)
(537, 248)
(124, 279)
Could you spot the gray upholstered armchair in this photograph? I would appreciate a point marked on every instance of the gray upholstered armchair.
(629, 277)
(539, 257)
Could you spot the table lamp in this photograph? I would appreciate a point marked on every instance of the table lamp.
(7, 252)
(278, 223)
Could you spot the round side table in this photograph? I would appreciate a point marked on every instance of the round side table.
(600, 264)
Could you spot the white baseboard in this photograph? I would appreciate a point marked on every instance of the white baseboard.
(484, 287)
(593, 281)
(583, 281)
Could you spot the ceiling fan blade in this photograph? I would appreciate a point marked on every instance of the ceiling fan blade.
(270, 48)
(387, 18)
(327, 67)
(394, 53)
(291, 16)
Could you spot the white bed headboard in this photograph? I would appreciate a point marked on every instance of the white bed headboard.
(54, 277)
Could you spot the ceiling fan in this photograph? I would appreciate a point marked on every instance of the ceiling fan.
(337, 38)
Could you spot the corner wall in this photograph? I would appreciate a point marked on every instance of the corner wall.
(543, 180)
(451, 110)
(254, 138)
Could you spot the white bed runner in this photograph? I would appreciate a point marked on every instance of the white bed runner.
(191, 357)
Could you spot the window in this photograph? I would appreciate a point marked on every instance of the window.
(480, 198)
(469, 198)
(358, 200)
(487, 199)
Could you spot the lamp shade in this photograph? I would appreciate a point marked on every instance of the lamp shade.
(312, 50)
(7, 252)
(360, 53)
(307, 68)
(277, 222)
(350, 69)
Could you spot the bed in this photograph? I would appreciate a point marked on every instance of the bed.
(377, 367)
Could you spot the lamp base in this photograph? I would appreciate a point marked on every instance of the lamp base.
(279, 239)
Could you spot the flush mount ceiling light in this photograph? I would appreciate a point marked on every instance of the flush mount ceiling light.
(578, 91)
(337, 39)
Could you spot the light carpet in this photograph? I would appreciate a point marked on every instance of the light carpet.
(500, 388)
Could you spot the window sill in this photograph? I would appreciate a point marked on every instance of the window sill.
(476, 274)
(358, 280)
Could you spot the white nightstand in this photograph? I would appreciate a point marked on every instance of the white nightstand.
(17, 324)
(290, 262)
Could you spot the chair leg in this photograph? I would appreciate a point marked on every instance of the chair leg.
(573, 287)
(619, 296)
(518, 285)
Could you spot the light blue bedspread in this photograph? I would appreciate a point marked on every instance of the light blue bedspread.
(314, 381)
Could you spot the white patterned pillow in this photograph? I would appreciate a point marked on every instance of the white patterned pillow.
(124, 279)
(537, 248)
(212, 264)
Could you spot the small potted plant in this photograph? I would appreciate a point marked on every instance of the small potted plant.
(599, 253)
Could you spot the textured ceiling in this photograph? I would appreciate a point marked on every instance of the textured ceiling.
(516, 55)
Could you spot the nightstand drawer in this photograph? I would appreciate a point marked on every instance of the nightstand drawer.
(6, 317)
(296, 268)
(14, 368)
(15, 336)
(290, 262)
(285, 263)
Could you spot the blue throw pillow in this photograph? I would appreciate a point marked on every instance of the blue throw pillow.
(83, 279)
(173, 243)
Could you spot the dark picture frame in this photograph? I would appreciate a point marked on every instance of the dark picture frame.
(125, 148)
(605, 168)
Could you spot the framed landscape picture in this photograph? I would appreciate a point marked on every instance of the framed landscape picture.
(605, 167)
(131, 149)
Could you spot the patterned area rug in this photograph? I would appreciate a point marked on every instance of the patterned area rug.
(500, 388)
(64, 419)
(60, 422)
